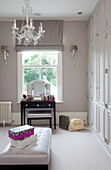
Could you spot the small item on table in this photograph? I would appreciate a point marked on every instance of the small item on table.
(24, 96)
(47, 98)
(44, 97)
(28, 97)
(51, 97)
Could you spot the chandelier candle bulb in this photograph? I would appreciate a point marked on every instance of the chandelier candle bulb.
(39, 30)
(31, 23)
(14, 24)
(41, 26)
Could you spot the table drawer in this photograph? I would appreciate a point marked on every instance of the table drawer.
(38, 105)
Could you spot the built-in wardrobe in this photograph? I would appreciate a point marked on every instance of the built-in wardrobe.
(99, 72)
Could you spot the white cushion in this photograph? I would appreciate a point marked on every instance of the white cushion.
(36, 153)
(45, 115)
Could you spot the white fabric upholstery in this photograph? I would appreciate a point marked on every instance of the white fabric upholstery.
(45, 115)
(36, 153)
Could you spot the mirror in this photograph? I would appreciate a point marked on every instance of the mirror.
(38, 87)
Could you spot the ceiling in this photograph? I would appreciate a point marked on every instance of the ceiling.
(49, 9)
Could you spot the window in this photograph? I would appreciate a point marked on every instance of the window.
(36, 66)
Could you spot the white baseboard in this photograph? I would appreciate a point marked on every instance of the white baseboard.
(16, 117)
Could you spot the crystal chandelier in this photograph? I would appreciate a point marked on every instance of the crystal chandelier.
(27, 33)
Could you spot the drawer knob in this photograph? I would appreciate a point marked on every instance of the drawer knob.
(49, 104)
(37, 105)
(26, 105)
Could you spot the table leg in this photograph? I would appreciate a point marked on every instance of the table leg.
(24, 116)
(54, 117)
(21, 116)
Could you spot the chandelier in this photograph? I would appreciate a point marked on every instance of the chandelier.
(27, 34)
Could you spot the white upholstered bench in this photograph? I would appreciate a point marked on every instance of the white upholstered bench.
(36, 154)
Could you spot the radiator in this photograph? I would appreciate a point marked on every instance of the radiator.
(5, 112)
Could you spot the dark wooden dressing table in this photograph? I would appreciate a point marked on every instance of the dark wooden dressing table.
(36, 105)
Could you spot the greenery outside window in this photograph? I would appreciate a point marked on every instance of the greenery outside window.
(40, 65)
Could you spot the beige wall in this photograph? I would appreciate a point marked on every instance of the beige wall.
(8, 73)
(74, 77)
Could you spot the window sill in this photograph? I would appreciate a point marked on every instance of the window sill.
(57, 102)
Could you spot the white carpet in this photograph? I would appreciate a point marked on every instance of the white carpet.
(71, 150)
(77, 151)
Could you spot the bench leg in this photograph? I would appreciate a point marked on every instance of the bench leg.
(13, 167)
(29, 121)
